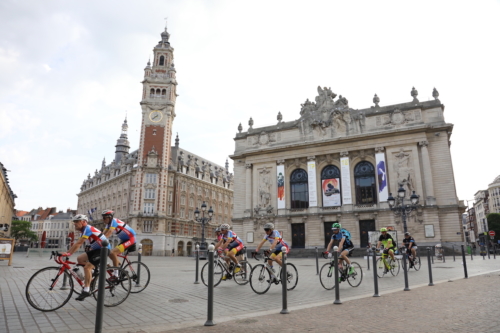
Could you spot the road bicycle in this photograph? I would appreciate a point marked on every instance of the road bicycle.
(385, 265)
(327, 273)
(415, 261)
(221, 268)
(51, 288)
(260, 276)
(137, 271)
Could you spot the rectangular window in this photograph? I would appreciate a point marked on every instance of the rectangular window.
(169, 210)
(149, 208)
(183, 200)
(148, 226)
(191, 202)
(171, 181)
(190, 214)
(151, 178)
(182, 214)
(149, 193)
(169, 196)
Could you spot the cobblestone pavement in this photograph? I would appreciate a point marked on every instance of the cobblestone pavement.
(172, 301)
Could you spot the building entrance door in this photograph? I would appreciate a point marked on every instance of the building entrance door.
(364, 227)
(298, 236)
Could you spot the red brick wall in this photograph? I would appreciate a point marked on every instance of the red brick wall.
(151, 140)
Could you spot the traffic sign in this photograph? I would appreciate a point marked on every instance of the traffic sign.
(492, 233)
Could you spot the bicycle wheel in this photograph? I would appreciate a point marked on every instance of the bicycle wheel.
(242, 276)
(292, 276)
(327, 276)
(140, 277)
(218, 271)
(381, 269)
(416, 263)
(394, 266)
(356, 277)
(46, 291)
(260, 279)
(116, 289)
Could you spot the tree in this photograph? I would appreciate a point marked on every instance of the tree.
(494, 224)
(22, 230)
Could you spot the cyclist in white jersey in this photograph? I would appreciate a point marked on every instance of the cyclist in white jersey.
(278, 246)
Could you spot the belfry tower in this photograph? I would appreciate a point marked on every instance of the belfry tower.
(158, 113)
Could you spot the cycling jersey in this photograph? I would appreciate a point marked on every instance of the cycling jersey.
(93, 237)
(386, 239)
(407, 241)
(273, 236)
(342, 234)
(122, 230)
(231, 235)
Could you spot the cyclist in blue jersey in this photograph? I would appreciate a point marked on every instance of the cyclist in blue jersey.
(231, 244)
(278, 246)
(341, 238)
(90, 259)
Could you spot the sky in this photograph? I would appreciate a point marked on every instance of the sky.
(70, 72)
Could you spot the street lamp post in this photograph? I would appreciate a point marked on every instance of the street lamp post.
(203, 220)
(398, 205)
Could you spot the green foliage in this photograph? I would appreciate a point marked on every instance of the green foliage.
(22, 230)
(494, 224)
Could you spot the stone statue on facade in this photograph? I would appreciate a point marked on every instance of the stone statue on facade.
(405, 173)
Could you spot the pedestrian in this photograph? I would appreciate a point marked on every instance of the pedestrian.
(173, 253)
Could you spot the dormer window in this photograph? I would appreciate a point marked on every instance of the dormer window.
(162, 61)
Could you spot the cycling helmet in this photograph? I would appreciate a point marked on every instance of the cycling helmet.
(268, 226)
(217, 229)
(383, 229)
(80, 217)
(225, 226)
(108, 212)
(407, 234)
(336, 225)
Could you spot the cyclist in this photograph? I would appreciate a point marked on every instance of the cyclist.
(388, 242)
(89, 259)
(123, 231)
(278, 246)
(342, 238)
(409, 243)
(231, 244)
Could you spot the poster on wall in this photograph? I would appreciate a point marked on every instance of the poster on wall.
(6, 249)
(311, 175)
(382, 177)
(346, 181)
(331, 192)
(280, 176)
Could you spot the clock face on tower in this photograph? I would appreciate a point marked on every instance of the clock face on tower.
(155, 116)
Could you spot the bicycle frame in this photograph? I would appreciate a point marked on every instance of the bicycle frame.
(65, 266)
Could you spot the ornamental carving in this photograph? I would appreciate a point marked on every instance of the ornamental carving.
(264, 189)
(263, 139)
(404, 170)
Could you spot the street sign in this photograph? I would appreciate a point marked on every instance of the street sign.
(492, 233)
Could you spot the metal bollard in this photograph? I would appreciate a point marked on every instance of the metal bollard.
(407, 288)
(453, 249)
(444, 257)
(488, 249)
(471, 257)
(197, 263)
(375, 277)
(464, 262)
(494, 251)
(317, 263)
(430, 267)
(139, 255)
(101, 286)
(336, 263)
(284, 284)
(368, 258)
(210, 310)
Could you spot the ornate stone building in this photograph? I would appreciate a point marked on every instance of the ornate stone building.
(494, 196)
(157, 187)
(7, 203)
(336, 163)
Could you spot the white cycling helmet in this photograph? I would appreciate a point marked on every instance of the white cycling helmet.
(80, 217)
(268, 226)
(225, 226)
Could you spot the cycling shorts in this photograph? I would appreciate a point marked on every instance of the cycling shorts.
(237, 246)
(94, 256)
(279, 249)
(126, 244)
(386, 251)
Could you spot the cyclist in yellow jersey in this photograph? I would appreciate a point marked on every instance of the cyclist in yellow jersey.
(388, 242)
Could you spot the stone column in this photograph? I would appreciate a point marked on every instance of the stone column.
(248, 190)
(428, 181)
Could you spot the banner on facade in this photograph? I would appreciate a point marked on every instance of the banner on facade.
(382, 177)
(331, 192)
(280, 176)
(311, 178)
(346, 181)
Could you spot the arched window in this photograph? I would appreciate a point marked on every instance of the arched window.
(164, 93)
(162, 60)
(330, 186)
(364, 178)
(158, 92)
(152, 93)
(298, 186)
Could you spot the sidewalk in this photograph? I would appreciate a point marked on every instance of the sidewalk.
(461, 305)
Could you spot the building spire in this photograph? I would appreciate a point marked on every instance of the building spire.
(177, 140)
(122, 144)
